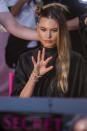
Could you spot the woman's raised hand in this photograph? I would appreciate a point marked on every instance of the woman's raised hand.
(40, 66)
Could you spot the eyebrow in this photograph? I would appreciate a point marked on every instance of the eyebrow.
(51, 28)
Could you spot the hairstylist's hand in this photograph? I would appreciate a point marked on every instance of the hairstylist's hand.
(40, 66)
(26, 1)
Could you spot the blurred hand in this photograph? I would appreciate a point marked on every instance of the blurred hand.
(40, 67)
(26, 1)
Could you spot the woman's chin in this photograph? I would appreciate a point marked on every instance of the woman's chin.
(48, 45)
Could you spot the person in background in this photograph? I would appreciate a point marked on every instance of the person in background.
(9, 22)
(23, 11)
(52, 70)
(12, 26)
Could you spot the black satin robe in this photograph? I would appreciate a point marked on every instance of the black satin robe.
(76, 80)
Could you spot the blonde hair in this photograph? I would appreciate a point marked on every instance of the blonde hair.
(40, 7)
(56, 12)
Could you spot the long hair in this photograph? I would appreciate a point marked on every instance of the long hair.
(56, 11)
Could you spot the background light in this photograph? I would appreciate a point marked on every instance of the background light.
(83, 1)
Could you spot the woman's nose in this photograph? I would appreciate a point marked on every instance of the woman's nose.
(49, 34)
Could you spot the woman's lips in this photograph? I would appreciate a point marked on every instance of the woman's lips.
(48, 41)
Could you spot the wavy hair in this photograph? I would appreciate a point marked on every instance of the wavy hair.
(56, 11)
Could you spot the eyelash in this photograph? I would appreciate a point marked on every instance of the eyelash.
(43, 29)
(55, 30)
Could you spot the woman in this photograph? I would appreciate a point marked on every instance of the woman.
(52, 70)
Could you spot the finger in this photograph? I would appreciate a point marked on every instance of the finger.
(43, 54)
(47, 60)
(39, 55)
(49, 68)
(33, 60)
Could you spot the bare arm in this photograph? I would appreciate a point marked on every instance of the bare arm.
(9, 22)
(39, 70)
(29, 87)
(73, 24)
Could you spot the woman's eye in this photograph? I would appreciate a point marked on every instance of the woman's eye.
(54, 30)
(43, 29)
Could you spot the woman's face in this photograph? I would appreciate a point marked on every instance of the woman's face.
(47, 29)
